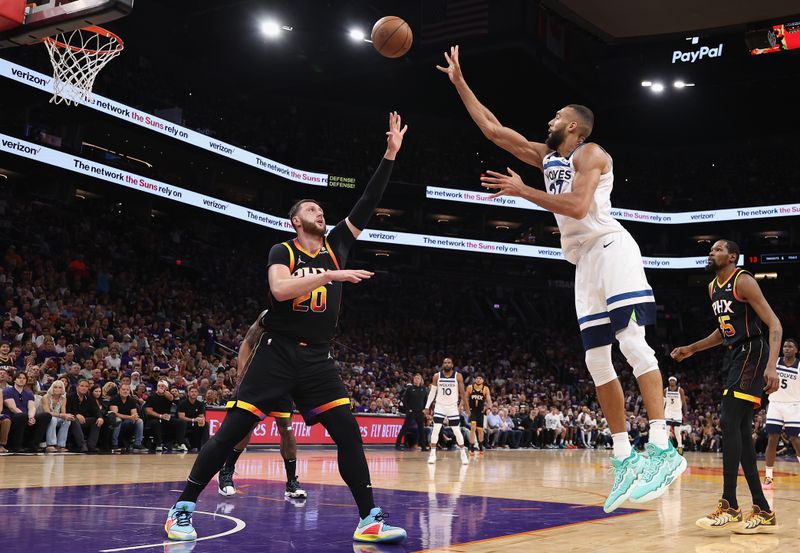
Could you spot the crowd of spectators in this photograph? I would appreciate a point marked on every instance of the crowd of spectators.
(106, 346)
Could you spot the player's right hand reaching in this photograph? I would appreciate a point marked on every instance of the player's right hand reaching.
(680, 353)
(349, 275)
(453, 68)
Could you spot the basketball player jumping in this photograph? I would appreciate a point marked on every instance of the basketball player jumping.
(613, 299)
(480, 400)
(447, 389)
(784, 408)
(293, 356)
(739, 307)
(283, 420)
(674, 411)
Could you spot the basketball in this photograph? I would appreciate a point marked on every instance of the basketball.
(391, 36)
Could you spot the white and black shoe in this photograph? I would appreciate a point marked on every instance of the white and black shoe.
(294, 490)
(226, 485)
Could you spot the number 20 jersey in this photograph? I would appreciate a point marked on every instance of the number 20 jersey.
(559, 173)
(310, 318)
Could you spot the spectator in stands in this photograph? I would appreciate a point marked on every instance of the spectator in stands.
(126, 409)
(193, 413)
(87, 414)
(493, 424)
(161, 423)
(54, 402)
(20, 407)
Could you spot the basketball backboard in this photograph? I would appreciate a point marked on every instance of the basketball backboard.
(51, 17)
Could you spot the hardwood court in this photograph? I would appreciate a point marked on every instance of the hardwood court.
(515, 501)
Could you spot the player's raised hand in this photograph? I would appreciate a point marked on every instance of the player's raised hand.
(506, 185)
(453, 68)
(680, 353)
(349, 275)
(395, 134)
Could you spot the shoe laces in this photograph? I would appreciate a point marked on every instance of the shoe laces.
(652, 467)
(381, 516)
(183, 518)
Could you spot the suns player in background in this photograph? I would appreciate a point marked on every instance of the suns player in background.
(675, 409)
(783, 412)
(749, 370)
(613, 299)
(479, 399)
(283, 420)
(447, 390)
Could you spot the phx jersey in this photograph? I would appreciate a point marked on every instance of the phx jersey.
(477, 399)
(746, 358)
(310, 318)
(558, 174)
(737, 320)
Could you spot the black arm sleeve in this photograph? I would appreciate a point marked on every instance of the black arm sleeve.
(365, 206)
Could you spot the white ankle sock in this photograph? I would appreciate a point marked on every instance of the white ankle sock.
(769, 472)
(658, 433)
(622, 446)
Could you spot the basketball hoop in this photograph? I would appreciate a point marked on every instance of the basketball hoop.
(77, 57)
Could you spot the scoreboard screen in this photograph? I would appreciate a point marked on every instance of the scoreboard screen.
(780, 37)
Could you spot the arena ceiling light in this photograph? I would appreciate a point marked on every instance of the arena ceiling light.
(657, 88)
(272, 29)
(357, 35)
(681, 84)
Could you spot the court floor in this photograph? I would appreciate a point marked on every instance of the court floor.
(515, 501)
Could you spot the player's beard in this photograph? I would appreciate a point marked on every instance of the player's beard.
(711, 266)
(555, 139)
(310, 227)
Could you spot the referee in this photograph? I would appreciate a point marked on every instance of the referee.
(413, 401)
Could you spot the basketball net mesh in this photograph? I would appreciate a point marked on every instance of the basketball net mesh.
(77, 57)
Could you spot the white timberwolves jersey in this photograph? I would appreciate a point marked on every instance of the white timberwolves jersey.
(789, 389)
(446, 391)
(558, 174)
(673, 404)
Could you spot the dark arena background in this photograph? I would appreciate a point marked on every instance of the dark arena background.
(135, 226)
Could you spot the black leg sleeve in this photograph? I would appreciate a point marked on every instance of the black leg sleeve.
(731, 414)
(237, 425)
(343, 428)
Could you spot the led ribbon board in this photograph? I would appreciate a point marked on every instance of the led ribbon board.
(167, 128)
(733, 214)
(36, 152)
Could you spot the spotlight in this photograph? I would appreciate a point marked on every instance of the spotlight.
(647, 83)
(657, 88)
(357, 35)
(679, 84)
(272, 28)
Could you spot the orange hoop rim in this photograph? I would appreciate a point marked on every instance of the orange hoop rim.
(120, 44)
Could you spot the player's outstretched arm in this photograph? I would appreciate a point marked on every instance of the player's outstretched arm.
(510, 140)
(746, 288)
(682, 352)
(590, 161)
(365, 206)
(283, 286)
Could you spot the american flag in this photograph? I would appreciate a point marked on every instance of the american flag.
(447, 20)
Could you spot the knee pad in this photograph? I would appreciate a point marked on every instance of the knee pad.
(598, 361)
(634, 347)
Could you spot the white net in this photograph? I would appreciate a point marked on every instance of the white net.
(77, 57)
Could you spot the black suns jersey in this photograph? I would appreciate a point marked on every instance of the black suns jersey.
(737, 320)
(477, 399)
(311, 318)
